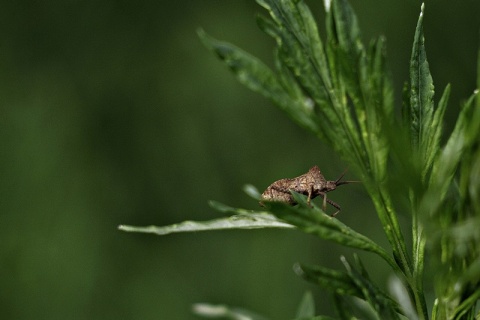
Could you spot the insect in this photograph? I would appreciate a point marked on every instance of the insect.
(311, 184)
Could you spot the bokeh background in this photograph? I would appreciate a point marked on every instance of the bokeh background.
(112, 112)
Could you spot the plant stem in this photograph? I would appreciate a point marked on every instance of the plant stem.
(418, 251)
(413, 273)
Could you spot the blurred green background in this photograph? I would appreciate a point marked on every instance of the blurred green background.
(112, 112)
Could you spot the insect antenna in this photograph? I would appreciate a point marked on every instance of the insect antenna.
(339, 183)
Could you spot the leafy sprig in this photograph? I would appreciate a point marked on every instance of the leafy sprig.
(339, 90)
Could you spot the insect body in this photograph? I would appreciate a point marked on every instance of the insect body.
(311, 184)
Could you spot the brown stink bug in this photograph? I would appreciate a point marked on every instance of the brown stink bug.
(311, 184)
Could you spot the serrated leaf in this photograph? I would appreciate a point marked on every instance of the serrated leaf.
(347, 63)
(346, 52)
(338, 282)
(254, 74)
(453, 220)
(355, 282)
(464, 134)
(421, 89)
(249, 70)
(425, 123)
(311, 219)
(239, 221)
(347, 32)
(372, 98)
(297, 26)
(300, 49)
(384, 305)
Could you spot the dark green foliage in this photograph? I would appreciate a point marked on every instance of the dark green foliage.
(340, 91)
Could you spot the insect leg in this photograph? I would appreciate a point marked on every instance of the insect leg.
(310, 191)
(324, 205)
(335, 205)
(325, 200)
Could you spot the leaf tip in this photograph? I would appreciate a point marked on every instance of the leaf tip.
(200, 32)
(252, 191)
(297, 268)
(327, 4)
(217, 205)
(205, 309)
(205, 38)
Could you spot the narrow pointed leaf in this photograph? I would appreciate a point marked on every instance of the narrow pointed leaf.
(478, 84)
(468, 306)
(346, 27)
(239, 221)
(436, 130)
(383, 304)
(252, 191)
(314, 221)
(212, 311)
(306, 309)
(355, 282)
(421, 91)
(342, 308)
(254, 74)
(463, 135)
(316, 318)
(400, 293)
(300, 47)
(338, 282)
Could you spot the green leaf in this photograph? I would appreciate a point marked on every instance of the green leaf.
(344, 310)
(244, 220)
(375, 111)
(362, 81)
(425, 122)
(478, 82)
(306, 309)
(300, 57)
(252, 191)
(463, 136)
(467, 308)
(450, 223)
(258, 77)
(421, 90)
(311, 219)
(298, 39)
(347, 63)
(474, 181)
(224, 312)
(433, 140)
(347, 32)
(354, 283)
(383, 304)
(338, 282)
(400, 293)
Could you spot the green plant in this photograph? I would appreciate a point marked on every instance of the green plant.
(340, 91)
